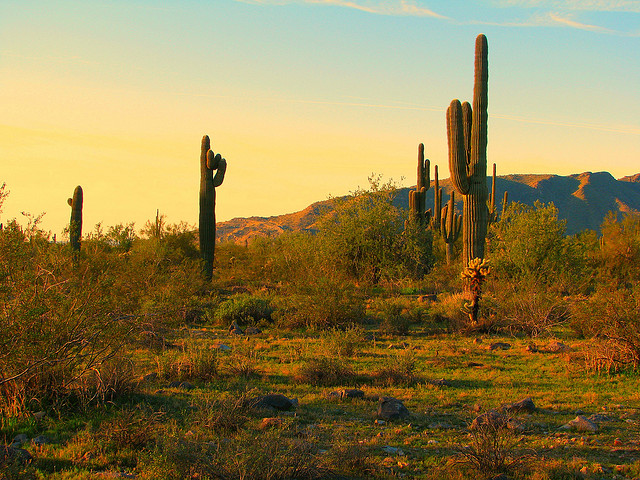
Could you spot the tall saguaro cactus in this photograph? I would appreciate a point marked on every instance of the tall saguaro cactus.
(75, 224)
(467, 135)
(418, 197)
(207, 219)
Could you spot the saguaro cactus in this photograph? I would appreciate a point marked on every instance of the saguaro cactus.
(207, 220)
(418, 197)
(75, 224)
(467, 135)
(450, 226)
(493, 212)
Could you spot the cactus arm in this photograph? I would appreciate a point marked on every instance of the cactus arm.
(467, 119)
(457, 156)
(480, 116)
(505, 202)
(219, 176)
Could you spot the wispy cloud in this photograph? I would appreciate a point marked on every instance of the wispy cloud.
(574, 5)
(407, 8)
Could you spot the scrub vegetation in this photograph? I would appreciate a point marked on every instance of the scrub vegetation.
(120, 360)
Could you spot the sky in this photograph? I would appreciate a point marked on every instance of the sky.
(304, 98)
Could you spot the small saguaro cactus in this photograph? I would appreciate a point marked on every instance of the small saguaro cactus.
(75, 224)
(437, 202)
(418, 197)
(493, 212)
(207, 219)
(467, 135)
(450, 226)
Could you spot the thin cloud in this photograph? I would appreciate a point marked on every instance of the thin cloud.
(575, 5)
(406, 8)
(581, 26)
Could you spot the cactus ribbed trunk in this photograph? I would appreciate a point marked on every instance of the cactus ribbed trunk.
(467, 135)
(207, 217)
(75, 223)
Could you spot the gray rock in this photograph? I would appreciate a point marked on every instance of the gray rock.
(499, 346)
(390, 408)
(524, 405)
(41, 440)
(222, 347)
(183, 385)
(276, 401)
(393, 451)
(495, 420)
(440, 382)
(557, 347)
(351, 393)
(581, 424)
(252, 331)
(19, 440)
(14, 455)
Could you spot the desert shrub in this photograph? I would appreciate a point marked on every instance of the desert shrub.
(529, 244)
(398, 369)
(396, 314)
(191, 362)
(619, 252)
(326, 303)
(343, 342)
(491, 449)
(364, 237)
(530, 309)
(325, 371)
(243, 308)
(613, 316)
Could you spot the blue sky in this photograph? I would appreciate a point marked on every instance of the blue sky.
(305, 99)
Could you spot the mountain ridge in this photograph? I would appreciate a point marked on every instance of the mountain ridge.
(582, 199)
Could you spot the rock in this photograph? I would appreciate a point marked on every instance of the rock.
(428, 298)
(440, 426)
(390, 408)
(581, 424)
(19, 440)
(222, 347)
(252, 331)
(477, 340)
(380, 422)
(557, 347)
(235, 329)
(393, 451)
(276, 401)
(38, 416)
(12, 454)
(532, 347)
(149, 377)
(599, 417)
(183, 385)
(41, 440)
(474, 364)
(270, 422)
(351, 393)
(440, 382)
(524, 405)
(499, 346)
(398, 346)
(495, 420)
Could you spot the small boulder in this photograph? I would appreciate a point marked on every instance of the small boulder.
(557, 347)
(440, 382)
(581, 424)
(19, 439)
(252, 331)
(499, 346)
(390, 408)
(524, 405)
(41, 440)
(183, 385)
(351, 393)
(276, 401)
(14, 455)
(222, 347)
(495, 420)
(270, 422)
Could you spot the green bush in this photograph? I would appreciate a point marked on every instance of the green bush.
(243, 308)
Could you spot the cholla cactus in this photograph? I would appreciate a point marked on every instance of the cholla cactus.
(475, 272)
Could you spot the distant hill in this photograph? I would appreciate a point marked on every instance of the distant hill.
(582, 199)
